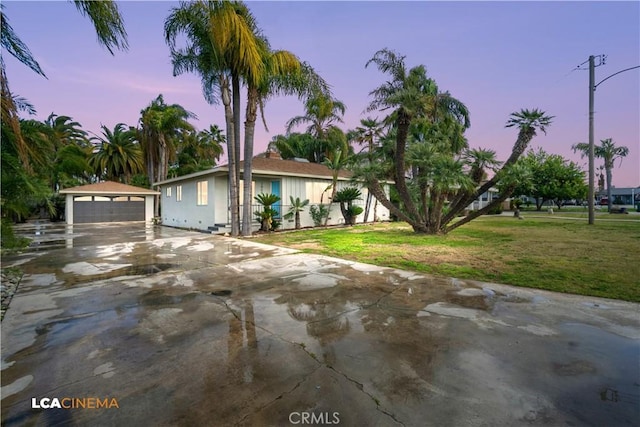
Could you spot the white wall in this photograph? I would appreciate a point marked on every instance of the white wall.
(186, 213)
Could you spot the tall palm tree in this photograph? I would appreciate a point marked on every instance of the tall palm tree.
(109, 27)
(321, 113)
(161, 124)
(222, 48)
(283, 74)
(369, 132)
(65, 131)
(117, 155)
(609, 153)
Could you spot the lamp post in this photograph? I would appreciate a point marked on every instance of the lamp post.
(592, 89)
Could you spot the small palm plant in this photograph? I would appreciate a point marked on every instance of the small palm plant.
(346, 198)
(296, 207)
(267, 214)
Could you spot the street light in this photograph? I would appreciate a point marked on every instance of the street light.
(592, 89)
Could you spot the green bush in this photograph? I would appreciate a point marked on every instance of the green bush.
(497, 210)
(318, 214)
(8, 239)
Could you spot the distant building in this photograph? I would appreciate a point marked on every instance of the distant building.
(623, 195)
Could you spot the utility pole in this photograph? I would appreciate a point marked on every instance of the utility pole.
(591, 194)
(592, 89)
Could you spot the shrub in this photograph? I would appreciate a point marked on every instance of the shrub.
(8, 239)
(497, 210)
(318, 214)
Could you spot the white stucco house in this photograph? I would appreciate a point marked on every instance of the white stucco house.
(201, 200)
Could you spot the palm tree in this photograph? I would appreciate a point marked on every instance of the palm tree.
(118, 155)
(321, 112)
(609, 153)
(527, 122)
(268, 213)
(369, 132)
(336, 160)
(283, 74)
(300, 145)
(345, 198)
(198, 151)
(109, 27)
(222, 49)
(296, 207)
(161, 124)
(411, 95)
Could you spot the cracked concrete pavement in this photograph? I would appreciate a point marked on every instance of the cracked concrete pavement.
(184, 328)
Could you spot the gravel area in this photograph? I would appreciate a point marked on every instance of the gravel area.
(9, 281)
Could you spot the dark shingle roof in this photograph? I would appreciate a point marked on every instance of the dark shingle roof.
(292, 167)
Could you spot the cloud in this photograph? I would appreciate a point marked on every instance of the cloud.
(126, 80)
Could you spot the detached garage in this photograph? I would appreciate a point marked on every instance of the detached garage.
(108, 202)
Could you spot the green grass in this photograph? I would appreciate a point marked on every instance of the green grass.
(540, 252)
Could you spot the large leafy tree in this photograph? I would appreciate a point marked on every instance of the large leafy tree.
(118, 155)
(435, 174)
(553, 178)
(609, 153)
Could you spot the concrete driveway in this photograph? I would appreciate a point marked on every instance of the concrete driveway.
(133, 325)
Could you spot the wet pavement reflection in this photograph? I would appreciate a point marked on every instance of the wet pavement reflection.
(186, 328)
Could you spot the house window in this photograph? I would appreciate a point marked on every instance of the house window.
(179, 193)
(168, 191)
(202, 193)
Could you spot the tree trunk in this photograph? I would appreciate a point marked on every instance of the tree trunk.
(367, 207)
(297, 220)
(333, 195)
(249, 130)
(524, 137)
(375, 210)
(609, 190)
(235, 84)
(162, 164)
(403, 121)
(473, 215)
(379, 194)
(231, 154)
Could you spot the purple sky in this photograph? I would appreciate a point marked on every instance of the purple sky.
(496, 57)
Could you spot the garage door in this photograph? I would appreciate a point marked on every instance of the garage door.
(87, 209)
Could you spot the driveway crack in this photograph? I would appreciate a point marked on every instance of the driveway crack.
(283, 394)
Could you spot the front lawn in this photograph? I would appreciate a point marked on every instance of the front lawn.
(546, 253)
